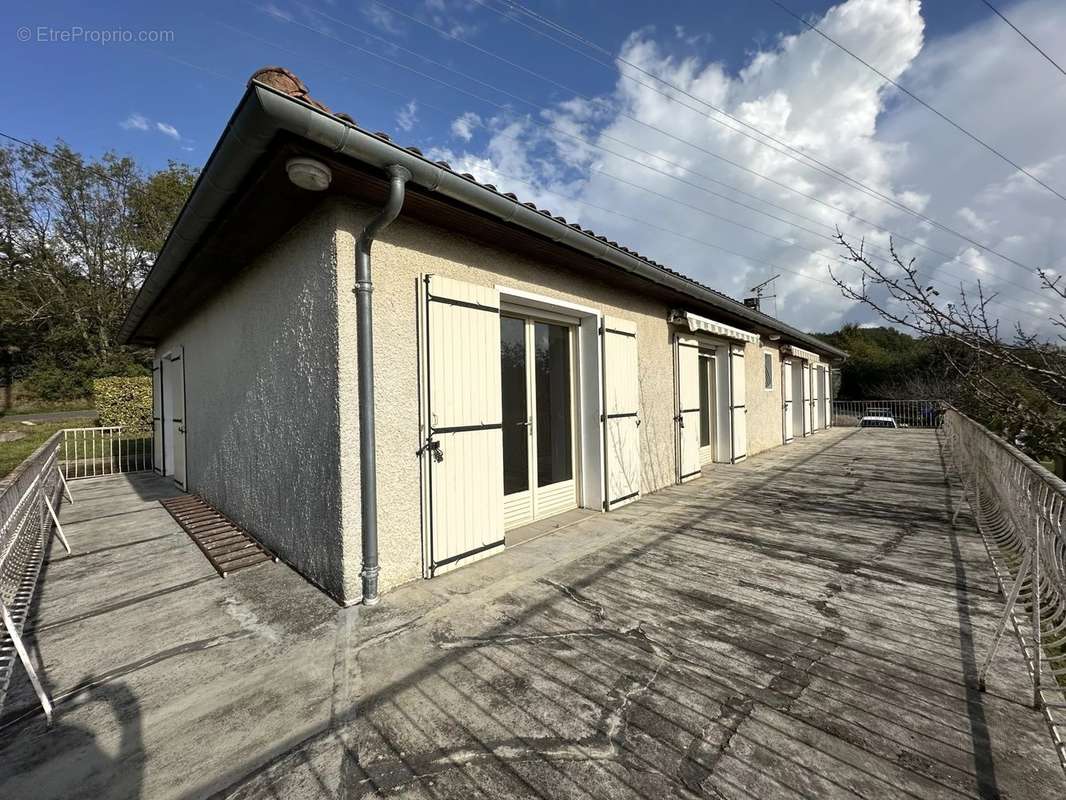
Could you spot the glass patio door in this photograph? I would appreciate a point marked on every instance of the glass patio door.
(537, 377)
(708, 407)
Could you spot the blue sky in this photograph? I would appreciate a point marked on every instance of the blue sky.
(170, 100)
(81, 91)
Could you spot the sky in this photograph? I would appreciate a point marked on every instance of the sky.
(604, 112)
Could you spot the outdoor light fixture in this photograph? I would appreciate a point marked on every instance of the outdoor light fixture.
(309, 174)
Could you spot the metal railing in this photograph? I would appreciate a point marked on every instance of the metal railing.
(1020, 510)
(906, 413)
(28, 502)
(94, 452)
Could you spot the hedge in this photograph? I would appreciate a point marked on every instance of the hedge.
(124, 401)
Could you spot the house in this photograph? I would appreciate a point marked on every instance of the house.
(494, 365)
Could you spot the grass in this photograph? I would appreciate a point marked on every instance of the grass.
(14, 453)
(46, 406)
(18, 399)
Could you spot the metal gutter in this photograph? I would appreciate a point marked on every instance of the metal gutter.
(265, 111)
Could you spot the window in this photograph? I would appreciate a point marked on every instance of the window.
(768, 371)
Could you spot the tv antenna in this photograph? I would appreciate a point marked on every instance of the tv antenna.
(759, 293)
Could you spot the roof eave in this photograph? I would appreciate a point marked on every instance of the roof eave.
(264, 112)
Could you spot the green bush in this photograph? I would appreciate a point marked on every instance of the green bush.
(124, 401)
(49, 381)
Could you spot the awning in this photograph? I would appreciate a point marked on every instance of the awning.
(799, 352)
(698, 323)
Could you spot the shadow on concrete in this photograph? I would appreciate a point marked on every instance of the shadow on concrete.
(786, 634)
(984, 762)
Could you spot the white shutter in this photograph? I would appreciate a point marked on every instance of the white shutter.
(157, 415)
(786, 393)
(177, 415)
(621, 412)
(463, 450)
(806, 399)
(687, 407)
(737, 404)
(827, 418)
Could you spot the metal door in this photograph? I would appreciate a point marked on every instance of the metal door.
(827, 399)
(621, 412)
(175, 413)
(786, 406)
(158, 457)
(687, 406)
(806, 399)
(737, 404)
(462, 452)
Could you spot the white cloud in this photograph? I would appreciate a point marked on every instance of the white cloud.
(168, 130)
(381, 18)
(804, 91)
(274, 11)
(139, 122)
(464, 125)
(407, 116)
(135, 121)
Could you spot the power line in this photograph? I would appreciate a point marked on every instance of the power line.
(582, 140)
(703, 242)
(75, 162)
(129, 187)
(605, 173)
(918, 100)
(1033, 44)
(794, 153)
(452, 36)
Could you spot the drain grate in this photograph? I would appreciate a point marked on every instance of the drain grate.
(227, 546)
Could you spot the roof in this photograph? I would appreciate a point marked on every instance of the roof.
(277, 101)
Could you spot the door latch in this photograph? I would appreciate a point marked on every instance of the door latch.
(433, 448)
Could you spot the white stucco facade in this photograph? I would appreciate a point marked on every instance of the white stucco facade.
(272, 396)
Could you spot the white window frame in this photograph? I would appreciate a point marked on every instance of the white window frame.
(588, 395)
(768, 369)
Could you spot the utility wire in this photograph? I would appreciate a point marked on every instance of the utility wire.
(1033, 44)
(127, 187)
(918, 100)
(75, 162)
(794, 153)
(555, 129)
(618, 179)
(452, 36)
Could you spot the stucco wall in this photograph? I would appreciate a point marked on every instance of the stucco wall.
(764, 406)
(409, 249)
(262, 401)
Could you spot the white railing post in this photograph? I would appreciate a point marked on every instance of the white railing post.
(1019, 508)
(112, 450)
(24, 657)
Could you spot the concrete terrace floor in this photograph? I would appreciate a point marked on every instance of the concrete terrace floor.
(806, 623)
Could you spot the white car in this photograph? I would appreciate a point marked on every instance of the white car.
(877, 422)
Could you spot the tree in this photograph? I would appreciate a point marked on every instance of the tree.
(878, 357)
(77, 238)
(1015, 385)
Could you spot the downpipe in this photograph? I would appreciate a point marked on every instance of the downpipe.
(368, 467)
